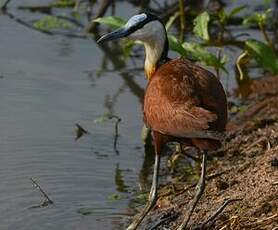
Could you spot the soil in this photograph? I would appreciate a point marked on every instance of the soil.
(246, 168)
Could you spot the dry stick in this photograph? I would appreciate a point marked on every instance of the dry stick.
(268, 40)
(216, 213)
(217, 68)
(76, 6)
(182, 20)
(163, 220)
(102, 10)
(36, 185)
(118, 120)
(212, 176)
(5, 4)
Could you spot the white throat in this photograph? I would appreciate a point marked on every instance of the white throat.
(153, 37)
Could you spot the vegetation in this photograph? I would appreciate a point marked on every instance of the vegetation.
(207, 31)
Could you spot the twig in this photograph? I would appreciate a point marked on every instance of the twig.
(239, 59)
(268, 40)
(163, 219)
(71, 20)
(216, 213)
(257, 142)
(118, 120)
(210, 177)
(76, 6)
(4, 7)
(182, 20)
(102, 10)
(47, 200)
(217, 68)
(266, 219)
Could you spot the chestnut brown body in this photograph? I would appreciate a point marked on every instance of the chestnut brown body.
(183, 102)
(183, 99)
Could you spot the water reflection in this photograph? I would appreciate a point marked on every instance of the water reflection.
(65, 48)
(147, 166)
(119, 179)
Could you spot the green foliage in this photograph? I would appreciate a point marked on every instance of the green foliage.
(240, 109)
(225, 16)
(52, 22)
(263, 54)
(197, 52)
(115, 197)
(142, 198)
(267, 2)
(103, 118)
(176, 45)
(111, 21)
(63, 3)
(258, 18)
(201, 26)
(201, 54)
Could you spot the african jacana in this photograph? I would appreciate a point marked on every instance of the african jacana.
(183, 102)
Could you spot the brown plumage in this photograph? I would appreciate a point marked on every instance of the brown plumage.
(181, 100)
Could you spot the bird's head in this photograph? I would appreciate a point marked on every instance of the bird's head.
(148, 29)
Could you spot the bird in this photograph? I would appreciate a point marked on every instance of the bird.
(183, 102)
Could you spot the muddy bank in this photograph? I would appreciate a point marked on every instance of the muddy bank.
(246, 169)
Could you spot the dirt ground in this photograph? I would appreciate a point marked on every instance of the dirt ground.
(245, 169)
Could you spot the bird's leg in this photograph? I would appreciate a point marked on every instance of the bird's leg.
(152, 196)
(200, 189)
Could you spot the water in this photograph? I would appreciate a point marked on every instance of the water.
(44, 91)
(47, 85)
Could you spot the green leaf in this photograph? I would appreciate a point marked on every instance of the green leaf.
(142, 198)
(263, 54)
(201, 25)
(225, 16)
(115, 197)
(171, 21)
(111, 21)
(176, 46)
(236, 10)
(103, 118)
(52, 22)
(257, 18)
(253, 19)
(63, 3)
(199, 53)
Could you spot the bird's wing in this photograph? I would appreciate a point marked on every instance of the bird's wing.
(182, 100)
(182, 120)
